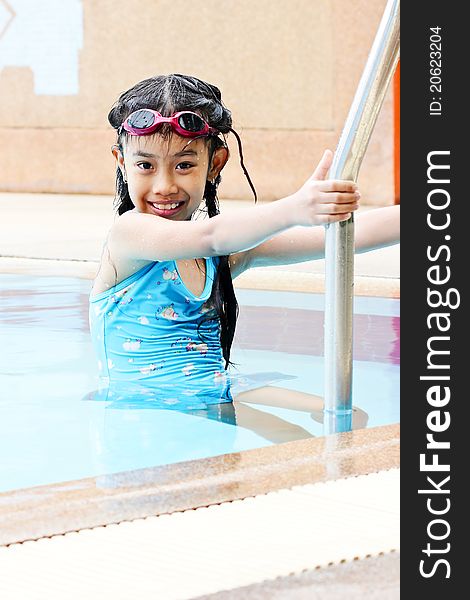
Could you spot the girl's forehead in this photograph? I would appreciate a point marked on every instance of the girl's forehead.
(165, 145)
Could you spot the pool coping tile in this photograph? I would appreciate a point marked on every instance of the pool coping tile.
(44, 511)
(259, 278)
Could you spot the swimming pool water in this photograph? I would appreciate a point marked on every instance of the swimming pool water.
(50, 432)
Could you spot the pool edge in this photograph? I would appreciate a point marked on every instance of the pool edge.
(45, 511)
(274, 279)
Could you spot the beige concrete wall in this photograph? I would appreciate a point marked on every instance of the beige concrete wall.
(287, 70)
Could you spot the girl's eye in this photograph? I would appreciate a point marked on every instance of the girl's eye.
(145, 166)
(184, 165)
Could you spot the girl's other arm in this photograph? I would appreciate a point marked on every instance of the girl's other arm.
(373, 229)
(377, 228)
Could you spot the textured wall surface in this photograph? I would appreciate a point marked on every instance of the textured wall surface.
(287, 70)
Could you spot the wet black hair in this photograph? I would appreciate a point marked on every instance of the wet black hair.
(168, 94)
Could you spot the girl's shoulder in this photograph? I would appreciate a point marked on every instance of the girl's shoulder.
(113, 270)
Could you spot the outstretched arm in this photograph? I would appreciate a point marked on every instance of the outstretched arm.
(373, 229)
(377, 228)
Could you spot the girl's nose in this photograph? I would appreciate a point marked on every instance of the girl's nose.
(164, 184)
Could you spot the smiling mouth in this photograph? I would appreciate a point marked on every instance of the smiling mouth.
(166, 205)
(165, 209)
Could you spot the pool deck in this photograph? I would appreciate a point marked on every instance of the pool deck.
(127, 513)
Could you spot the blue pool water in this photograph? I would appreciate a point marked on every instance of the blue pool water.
(50, 430)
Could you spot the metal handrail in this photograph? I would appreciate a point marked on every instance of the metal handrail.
(339, 240)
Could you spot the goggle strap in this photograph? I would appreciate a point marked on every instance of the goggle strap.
(240, 152)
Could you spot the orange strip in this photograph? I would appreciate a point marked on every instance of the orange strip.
(396, 134)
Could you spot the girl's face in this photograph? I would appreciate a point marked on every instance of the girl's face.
(167, 177)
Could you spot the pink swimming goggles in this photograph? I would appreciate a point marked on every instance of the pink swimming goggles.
(186, 123)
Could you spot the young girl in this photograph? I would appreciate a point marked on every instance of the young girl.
(162, 308)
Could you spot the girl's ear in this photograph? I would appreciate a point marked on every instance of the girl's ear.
(119, 160)
(219, 158)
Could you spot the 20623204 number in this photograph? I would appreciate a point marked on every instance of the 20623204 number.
(435, 70)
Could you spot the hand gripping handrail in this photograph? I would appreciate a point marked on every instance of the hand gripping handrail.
(339, 240)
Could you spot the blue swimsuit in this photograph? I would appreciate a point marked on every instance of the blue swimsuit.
(145, 334)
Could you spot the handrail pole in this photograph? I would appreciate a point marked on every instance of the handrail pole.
(339, 240)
